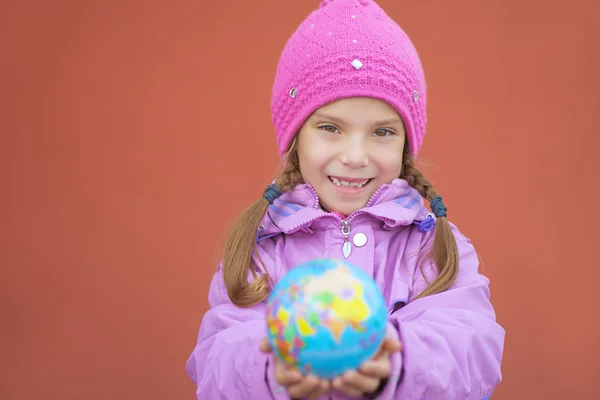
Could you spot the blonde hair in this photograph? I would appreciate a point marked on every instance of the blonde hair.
(240, 246)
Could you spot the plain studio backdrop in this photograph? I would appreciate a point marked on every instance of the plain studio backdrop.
(133, 132)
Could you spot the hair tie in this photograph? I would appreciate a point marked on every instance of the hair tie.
(272, 192)
(438, 208)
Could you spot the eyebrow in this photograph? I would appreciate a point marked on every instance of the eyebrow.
(340, 121)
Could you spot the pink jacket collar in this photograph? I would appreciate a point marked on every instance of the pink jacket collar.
(395, 204)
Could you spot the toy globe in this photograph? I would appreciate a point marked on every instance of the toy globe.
(326, 317)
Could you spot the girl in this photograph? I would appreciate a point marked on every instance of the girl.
(348, 107)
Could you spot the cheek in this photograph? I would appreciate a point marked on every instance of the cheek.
(312, 162)
(390, 163)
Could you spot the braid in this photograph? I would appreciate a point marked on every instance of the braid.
(415, 178)
(291, 175)
(444, 252)
(240, 247)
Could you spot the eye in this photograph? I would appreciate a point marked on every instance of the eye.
(383, 132)
(329, 128)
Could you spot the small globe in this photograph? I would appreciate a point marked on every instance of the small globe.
(326, 317)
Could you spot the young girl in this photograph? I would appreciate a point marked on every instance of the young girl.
(349, 113)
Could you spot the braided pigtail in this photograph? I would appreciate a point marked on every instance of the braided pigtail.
(444, 252)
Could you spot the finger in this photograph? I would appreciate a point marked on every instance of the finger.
(286, 375)
(322, 390)
(304, 387)
(264, 346)
(381, 354)
(364, 383)
(388, 345)
(378, 368)
(339, 385)
(391, 345)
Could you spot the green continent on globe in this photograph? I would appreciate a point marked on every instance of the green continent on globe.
(324, 298)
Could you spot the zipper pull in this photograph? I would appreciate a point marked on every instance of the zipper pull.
(346, 247)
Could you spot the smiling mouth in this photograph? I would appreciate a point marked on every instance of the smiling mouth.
(354, 183)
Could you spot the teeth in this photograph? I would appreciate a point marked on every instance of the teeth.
(348, 184)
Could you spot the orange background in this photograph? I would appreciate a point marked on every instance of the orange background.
(130, 137)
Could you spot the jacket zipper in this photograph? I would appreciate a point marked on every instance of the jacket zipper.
(346, 245)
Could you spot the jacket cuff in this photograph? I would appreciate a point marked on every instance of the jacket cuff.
(278, 392)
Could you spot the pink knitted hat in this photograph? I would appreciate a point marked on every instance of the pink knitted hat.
(348, 48)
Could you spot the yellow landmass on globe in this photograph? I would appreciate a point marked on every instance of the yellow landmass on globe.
(283, 315)
(354, 309)
(346, 311)
(304, 327)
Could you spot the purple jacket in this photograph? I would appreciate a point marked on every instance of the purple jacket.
(452, 344)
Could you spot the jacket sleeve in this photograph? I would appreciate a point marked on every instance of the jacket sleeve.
(226, 362)
(452, 344)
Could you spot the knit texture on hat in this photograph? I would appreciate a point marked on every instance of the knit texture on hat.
(348, 48)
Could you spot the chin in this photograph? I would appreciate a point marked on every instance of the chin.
(346, 209)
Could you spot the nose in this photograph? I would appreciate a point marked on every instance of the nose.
(355, 153)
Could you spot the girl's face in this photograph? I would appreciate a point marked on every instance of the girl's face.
(348, 149)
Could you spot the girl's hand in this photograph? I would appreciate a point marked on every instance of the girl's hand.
(370, 374)
(297, 385)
